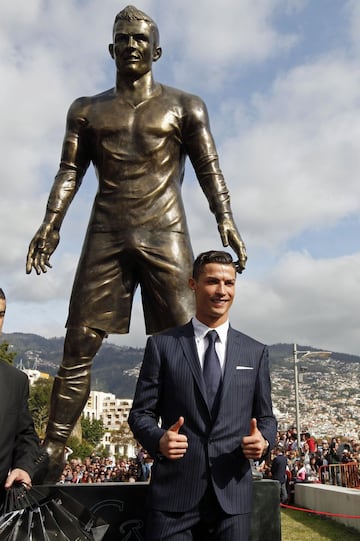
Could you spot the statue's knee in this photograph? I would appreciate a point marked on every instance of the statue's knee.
(81, 345)
(80, 339)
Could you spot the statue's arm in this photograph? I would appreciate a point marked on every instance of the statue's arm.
(202, 152)
(73, 165)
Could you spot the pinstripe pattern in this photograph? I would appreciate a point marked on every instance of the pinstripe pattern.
(19, 443)
(170, 385)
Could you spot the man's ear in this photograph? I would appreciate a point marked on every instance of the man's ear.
(111, 50)
(157, 54)
(192, 284)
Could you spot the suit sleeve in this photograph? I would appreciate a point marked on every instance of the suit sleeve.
(144, 416)
(27, 445)
(262, 405)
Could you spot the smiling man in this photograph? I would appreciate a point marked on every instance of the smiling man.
(208, 386)
(137, 135)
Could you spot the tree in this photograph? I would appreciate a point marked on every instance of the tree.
(123, 437)
(79, 449)
(5, 354)
(92, 430)
(39, 403)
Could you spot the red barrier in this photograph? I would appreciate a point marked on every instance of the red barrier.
(342, 475)
(317, 512)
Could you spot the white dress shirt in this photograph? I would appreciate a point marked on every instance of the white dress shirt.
(202, 342)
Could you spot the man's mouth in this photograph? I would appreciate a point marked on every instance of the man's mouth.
(219, 301)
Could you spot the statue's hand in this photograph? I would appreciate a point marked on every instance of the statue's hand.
(230, 236)
(41, 248)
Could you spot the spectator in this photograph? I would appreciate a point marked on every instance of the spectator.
(312, 445)
(278, 473)
(301, 472)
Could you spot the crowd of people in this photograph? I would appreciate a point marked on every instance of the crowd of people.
(101, 469)
(284, 464)
(314, 462)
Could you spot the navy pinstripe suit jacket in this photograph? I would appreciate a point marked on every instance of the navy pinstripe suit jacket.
(19, 443)
(170, 384)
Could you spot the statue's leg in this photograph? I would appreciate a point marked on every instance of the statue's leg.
(70, 392)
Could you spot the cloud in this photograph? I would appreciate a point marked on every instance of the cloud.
(302, 300)
(219, 41)
(295, 163)
(286, 120)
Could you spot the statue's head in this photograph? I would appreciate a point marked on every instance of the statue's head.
(131, 13)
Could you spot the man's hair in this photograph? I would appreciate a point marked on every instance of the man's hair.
(131, 13)
(2, 295)
(212, 256)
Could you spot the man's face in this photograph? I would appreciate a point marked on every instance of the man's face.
(134, 48)
(2, 313)
(214, 293)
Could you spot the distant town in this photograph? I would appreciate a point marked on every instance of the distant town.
(329, 389)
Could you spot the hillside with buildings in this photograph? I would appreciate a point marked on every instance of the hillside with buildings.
(329, 388)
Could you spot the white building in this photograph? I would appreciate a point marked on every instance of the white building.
(114, 413)
(34, 375)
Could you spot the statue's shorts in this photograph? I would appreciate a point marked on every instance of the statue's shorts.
(113, 264)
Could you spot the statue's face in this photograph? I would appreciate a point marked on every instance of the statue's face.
(134, 48)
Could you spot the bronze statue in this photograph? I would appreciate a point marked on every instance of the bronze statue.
(137, 135)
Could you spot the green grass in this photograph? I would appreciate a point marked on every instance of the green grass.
(300, 526)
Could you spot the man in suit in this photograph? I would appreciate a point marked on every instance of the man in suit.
(202, 431)
(20, 450)
(137, 135)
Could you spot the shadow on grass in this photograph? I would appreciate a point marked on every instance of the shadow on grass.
(299, 525)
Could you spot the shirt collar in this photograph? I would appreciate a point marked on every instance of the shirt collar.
(200, 330)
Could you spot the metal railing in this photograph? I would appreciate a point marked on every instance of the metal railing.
(342, 475)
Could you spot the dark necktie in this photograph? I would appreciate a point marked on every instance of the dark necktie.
(212, 369)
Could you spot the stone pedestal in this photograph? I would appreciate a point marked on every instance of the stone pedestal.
(122, 506)
(265, 520)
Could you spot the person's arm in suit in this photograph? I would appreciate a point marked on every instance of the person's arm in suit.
(27, 451)
(263, 426)
(145, 414)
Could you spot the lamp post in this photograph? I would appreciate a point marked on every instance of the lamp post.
(304, 355)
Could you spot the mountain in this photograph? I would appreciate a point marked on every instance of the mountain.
(115, 368)
(328, 391)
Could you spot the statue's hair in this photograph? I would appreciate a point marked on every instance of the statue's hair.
(2, 294)
(131, 13)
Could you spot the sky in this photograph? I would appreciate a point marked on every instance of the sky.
(281, 81)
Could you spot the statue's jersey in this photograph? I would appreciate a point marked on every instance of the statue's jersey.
(139, 155)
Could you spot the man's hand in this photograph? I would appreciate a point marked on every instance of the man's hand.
(230, 236)
(172, 444)
(254, 445)
(41, 248)
(18, 475)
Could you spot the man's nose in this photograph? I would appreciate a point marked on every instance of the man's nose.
(220, 288)
(131, 41)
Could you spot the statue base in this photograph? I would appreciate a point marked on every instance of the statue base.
(122, 506)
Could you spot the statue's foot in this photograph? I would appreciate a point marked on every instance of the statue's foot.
(56, 453)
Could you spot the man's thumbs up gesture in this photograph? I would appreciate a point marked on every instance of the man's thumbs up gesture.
(172, 444)
(254, 445)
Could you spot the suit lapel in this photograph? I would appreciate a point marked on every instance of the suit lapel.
(234, 353)
(187, 341)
